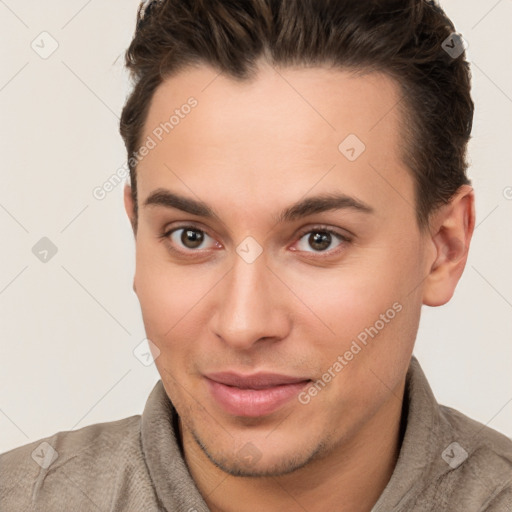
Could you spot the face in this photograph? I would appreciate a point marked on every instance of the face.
(279, 336)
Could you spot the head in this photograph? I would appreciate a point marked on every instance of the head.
(298, 193)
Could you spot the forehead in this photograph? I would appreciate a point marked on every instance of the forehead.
(287, 130)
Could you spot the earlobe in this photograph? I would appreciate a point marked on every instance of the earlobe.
(452, 229)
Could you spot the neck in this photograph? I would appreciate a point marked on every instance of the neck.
(350, 478)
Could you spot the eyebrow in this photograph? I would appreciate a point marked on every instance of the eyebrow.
(303, 208)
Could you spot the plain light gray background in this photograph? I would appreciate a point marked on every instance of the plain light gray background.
(69, 326)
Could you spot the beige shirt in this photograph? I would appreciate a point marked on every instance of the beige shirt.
(447, 462)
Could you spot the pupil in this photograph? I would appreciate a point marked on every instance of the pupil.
(191, 238)
(323, 239)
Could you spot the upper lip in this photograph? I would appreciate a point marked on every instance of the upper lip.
(260, 380)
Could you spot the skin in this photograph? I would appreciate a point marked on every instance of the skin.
(250, 149)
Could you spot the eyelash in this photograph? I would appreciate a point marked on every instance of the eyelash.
(315, 229)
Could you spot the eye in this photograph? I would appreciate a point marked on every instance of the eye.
(186, 239)
(320, 239)
(190, 238)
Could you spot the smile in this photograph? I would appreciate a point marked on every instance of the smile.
(253, 396)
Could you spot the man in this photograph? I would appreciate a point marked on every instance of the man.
(298, 193)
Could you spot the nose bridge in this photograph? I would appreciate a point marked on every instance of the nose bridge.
(247, 308)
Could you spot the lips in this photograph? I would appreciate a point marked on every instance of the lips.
(253, 395)
(256, 381)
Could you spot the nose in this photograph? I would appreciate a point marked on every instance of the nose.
(251, 305)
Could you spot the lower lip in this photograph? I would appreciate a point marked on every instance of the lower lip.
(253, 402)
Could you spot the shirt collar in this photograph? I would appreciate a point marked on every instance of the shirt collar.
(172, 482)
(419, 444)
(420, 449)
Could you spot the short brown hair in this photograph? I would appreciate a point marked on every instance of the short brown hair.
(403, 38)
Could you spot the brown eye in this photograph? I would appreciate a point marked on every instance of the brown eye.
(187, 239)
(319, 241)
(192, 238)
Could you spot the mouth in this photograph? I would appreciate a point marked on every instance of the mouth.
(253, 395)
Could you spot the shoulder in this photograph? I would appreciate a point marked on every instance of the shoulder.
(487, 446)
(478, 460)
(83, 459)
(99, 439)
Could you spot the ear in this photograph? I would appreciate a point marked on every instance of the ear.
(129, 207)
(451, 231)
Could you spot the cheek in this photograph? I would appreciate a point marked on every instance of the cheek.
(166, 300)
(371, 306)
(354, 296)
(165, 291)
(173, 299)
(346, 299)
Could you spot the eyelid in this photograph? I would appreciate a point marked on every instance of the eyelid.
(325, 228)
(344, 238)
(167, 232)
(318, 255)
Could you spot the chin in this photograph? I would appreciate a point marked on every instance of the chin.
(251, 461)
